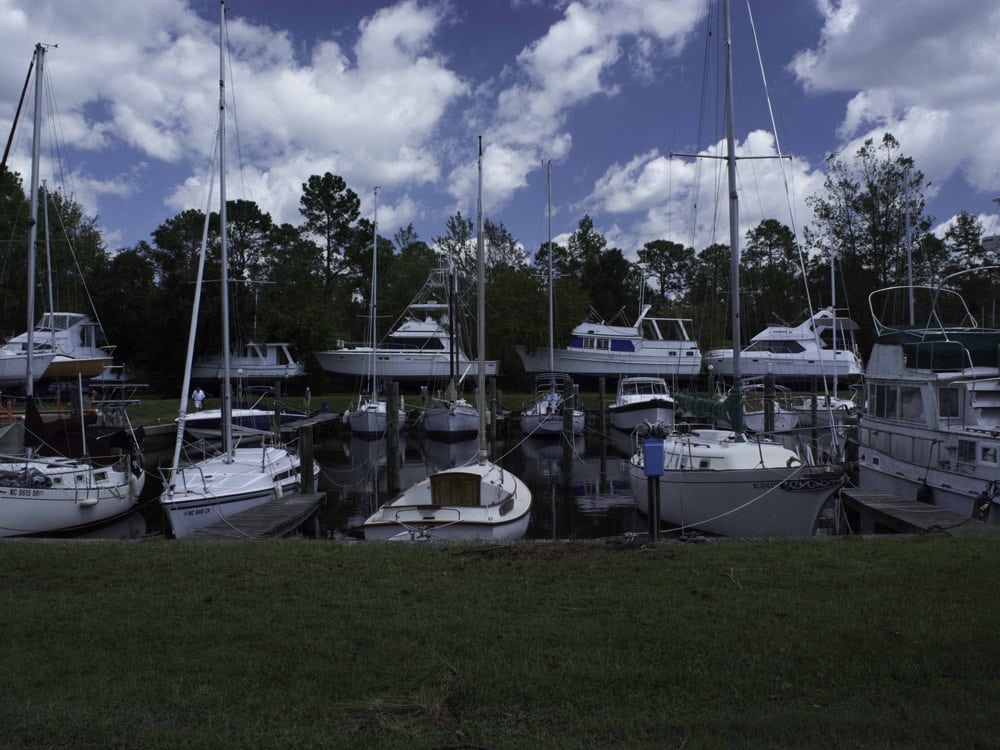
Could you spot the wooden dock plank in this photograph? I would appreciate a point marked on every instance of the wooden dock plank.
(277, 518)
(905, 515)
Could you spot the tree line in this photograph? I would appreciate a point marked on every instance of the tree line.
(309, 283)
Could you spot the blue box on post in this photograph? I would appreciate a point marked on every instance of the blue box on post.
(652, 457)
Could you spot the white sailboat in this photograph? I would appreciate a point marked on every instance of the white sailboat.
(478, 501)
(452, 417)
(725, 481)
(369, 417)
(546, 412)
(46, 494)
(239, 478)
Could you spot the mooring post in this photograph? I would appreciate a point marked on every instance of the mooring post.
(392, 437)
(652, 463)
(307, 481)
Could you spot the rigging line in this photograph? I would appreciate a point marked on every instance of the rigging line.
(76, 264)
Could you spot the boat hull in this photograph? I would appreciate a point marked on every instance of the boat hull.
(79, 495)
(629, 416)
(452, 421)
(732, 487)
(409, 365)
(664, 362)
(502, 514)
(216, 489)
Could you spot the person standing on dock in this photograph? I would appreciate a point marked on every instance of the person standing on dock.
(199, 399)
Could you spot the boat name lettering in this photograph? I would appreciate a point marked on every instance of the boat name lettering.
(19, 492)
(763, 485)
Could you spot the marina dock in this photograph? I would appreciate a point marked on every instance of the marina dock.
(280, 517)
(877, 512)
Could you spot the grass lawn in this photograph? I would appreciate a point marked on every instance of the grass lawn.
(837, 644)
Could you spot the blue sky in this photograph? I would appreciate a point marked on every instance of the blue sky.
(395, 94)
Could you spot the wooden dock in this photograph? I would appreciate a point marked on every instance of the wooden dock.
(278, 518)
(878, 512)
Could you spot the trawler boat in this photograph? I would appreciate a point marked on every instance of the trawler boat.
(798, 353)
(650, 346)
(270, 361)
(418, 348)
(931, 424)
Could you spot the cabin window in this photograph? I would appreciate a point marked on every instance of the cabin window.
(910, 407)
(966, 451)
(989, 454)
(948, 402)
(885, 401)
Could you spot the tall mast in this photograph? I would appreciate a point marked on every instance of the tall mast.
(374, 296)
(36, 140)
(734, 219)
(548, 181)
(481, 312)
(227, 406)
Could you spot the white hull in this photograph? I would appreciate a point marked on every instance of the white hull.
(716, 484)
(667, 361)
(630, 416)
(369, 420)
(783, 421)
(455, 419)
(217, 489)
(67, 495)
(536, 421)
(14, 367)
(396, 365)
(500, 512)
(786, 367)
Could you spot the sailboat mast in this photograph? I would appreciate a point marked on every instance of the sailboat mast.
(734, 217)
(374, 294)
(36, 140)
(548, 182)
(227, 406)
(481, 312)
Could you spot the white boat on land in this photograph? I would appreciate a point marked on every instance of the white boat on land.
(726, 481)
(68, 342)
(221, 486)
(47, 494)
(642, 398)
(650, 346)
(931, 424)
(478, 501)
(270, 361)
(796, 353)
(418, 346)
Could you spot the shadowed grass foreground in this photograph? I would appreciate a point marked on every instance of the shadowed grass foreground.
(874, 643)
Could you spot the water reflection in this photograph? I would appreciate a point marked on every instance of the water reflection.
(580, 487)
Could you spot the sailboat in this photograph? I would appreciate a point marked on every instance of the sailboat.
(46, 494)
(727, 482)
(452, 417)
(478, 501)
(545, 414)
(369, 417)
(239, 478)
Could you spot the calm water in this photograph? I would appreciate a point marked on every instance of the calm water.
(579, 491)
(585, 497)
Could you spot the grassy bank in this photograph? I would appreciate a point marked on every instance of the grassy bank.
(850, 643)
